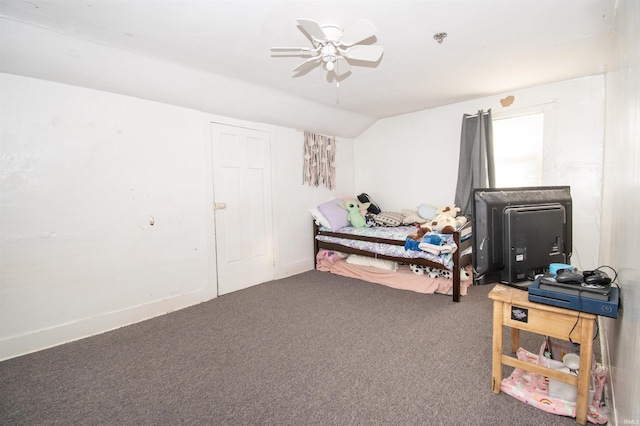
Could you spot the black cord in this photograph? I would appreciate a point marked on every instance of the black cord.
(577, 318)
(615, 273)
(615, 277)
(613, 281)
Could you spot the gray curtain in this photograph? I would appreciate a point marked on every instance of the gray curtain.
(476, 166)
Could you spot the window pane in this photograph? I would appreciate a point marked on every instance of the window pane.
(517, 146)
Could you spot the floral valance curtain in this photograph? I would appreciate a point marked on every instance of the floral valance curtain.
(319, 160)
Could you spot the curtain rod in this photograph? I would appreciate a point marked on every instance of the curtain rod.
(320, 134)
(475, 115)
(526, 107)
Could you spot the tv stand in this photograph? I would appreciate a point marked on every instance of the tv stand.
(560, 323)
(522, 285)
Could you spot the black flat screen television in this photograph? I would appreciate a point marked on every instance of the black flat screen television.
(518, 232)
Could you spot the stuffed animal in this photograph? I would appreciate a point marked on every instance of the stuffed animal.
(464, 275)
(438, 273)
(461, 220)
(330, 256)
(453, 212)
(355, 209)
(431, 272)
(441, 223)
(446, 220)
(417, 269)
(424, 270)
(418, 235)
(448, 211)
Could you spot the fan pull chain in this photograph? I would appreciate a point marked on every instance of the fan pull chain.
(337, 92)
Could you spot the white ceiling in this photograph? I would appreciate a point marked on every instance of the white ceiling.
(215, 55)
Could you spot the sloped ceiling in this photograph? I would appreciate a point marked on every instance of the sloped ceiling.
(215, 56)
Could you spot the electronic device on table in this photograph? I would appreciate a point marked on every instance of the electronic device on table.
(590, 284)
(588, 291)
(518, 232)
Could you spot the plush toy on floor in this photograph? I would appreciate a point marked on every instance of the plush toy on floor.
(437, 272)
(355, 209)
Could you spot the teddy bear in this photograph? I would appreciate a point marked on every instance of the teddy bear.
(417, 236)
(448, 211)
(446, 220)
(453, 212)
(442, 223)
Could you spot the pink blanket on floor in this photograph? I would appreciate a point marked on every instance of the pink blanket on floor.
(403, 278)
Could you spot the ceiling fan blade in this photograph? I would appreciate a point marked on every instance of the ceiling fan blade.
(305, 63)
(358, 32)
(364, 53)
(342, 66)
(295, 51)
(313, 29)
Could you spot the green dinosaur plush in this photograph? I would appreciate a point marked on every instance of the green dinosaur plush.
(355, 210)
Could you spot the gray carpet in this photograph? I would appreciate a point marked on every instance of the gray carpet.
(312, 349)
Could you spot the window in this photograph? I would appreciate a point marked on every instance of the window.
(517, 150)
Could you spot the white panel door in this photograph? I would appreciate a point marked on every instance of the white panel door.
(243, 217)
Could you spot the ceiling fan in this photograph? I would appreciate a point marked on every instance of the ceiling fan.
(335, 47)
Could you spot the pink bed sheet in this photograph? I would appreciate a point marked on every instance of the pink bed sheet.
(403, 278)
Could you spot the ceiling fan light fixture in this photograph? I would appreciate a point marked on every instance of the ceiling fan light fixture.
(332, 43)
(329, 53)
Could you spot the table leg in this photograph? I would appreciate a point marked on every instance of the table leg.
(515, 339)
(496, 358)
(584, 374)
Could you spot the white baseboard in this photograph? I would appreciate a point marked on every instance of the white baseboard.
(294, 268)
(14, 346)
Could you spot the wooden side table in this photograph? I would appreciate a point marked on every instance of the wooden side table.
(512, 308)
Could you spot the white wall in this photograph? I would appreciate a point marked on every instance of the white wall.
(292, 200)
(621, 203)
(420, 153)
(84, 173)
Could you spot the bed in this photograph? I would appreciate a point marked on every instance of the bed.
(389, 244)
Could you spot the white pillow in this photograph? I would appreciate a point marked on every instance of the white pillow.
(388, 265)
(411, 217)
(319, 218)
(426, 211)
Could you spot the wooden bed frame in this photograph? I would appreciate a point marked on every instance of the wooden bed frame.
(458, 260)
